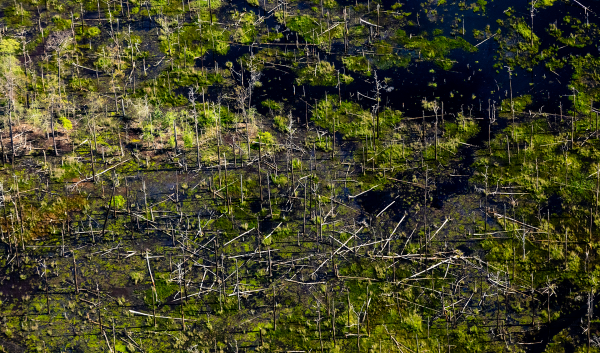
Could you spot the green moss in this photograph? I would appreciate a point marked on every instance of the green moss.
(200, 40)
(83, 84)
(358, 31)
(312, 31)
(386, 58)
(524, 31)
(436, 49)
(248, 31)
(281, 123)
(267, 139)
(481, 4)
(9, 46)
(322, 74)
(280, 181)
(328, 4)
(519, 103)
(304, 25)
(163, 290)
(16, 15)
(203, 4)
(413, 322)
(357, 64)
(117, 202)
(136, 277)
(544, 3)
(92, 32)
(350, 119)
(61, 23)
(66, 123)
(271, 104)
(271, 37)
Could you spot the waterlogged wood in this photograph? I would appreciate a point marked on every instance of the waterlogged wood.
(407, 182)
(239, 236)
(385, 209)
(158, 316)
(93, 177)
(362, 193)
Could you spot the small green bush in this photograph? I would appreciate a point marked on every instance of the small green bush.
(117, 202)
(66, 123)
(92, 32)
(280, 180)
(61, 23)
(188, 139)
(9, 46)
(324, 74)
(271, 104)
(281, 123)
(136, 277)
(357, 63)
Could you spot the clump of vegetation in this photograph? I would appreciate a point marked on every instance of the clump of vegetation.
(328, 4)
(479, 5)
(247, 32)
(66, 123)
(271, 37)
(305, 25)
(281, 123)
(204, 4)
(136, 277)
(386, 58)
(17, 15)
(435, 50)
(455, 135)
(312, 31)
(544, 3)
(357, 64)
(322, 74)
(160, 292)
(9, 46)
(272, 105)
(92, 32)
(526, 33)
(351, 120)
(267, 141)
(61, 23)
(518, 103)
(118, 202)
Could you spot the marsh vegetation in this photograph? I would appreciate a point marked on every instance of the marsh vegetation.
(261, 175)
